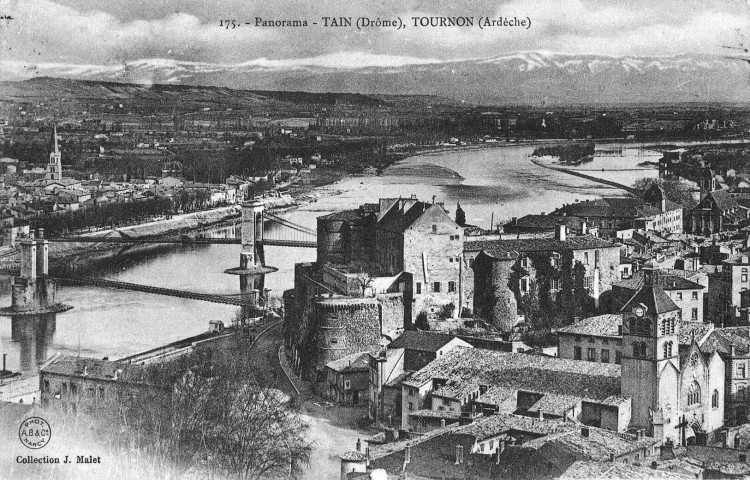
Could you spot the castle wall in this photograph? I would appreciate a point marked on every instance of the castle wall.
(345, 326)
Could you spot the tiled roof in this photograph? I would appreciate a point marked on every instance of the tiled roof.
(356, 362)
(422, 341)
(499, 423)
(721, 340)
(555, 403)
(583, 470)
(545, 221)
(532, 373)
(665, 281)
(654, 298)
(597, 446)
(501, 247)
(348, 215)
(96, 369)
(396, 220)
(606, 325)
(694, 330)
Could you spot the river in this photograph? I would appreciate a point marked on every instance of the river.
(499, 182)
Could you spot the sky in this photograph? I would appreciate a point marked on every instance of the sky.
(109, 32)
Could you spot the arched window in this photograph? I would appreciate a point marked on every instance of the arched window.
(636, 349)
(715, 399)
(664, 327)
(643, 349)
(667, 349)
(694, 394)
(647, 327)
(632, 325)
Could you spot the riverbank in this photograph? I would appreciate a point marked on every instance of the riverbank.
(602, 181)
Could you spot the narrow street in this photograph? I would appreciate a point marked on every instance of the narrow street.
(333, 430)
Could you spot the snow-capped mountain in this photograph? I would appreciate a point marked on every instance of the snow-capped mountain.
(520, 78)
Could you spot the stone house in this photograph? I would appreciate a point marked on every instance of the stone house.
(76, 384)
(542, 269)
(347, 379)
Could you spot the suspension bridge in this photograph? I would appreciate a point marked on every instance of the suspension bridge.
(34, 290)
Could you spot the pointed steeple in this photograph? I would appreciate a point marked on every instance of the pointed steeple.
(53, 145)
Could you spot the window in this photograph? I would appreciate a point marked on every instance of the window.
(576, 353)
(596, 257)
(436, 287)
(73, 389)
(578, 338)
(555, 259)
(639, 349)
(667, 349)
(554, 284)
(605, 356)
(694, 394)
(347, 384)
(694, 314)
(411, 406)
(647, 327)
(471, 262)
(618, 357)
(451, 286)
(715, 399)
(694, 296)
(588, 282)
(744, 278)
(591, 355)
(592, 339)
(741, 370)
(585, 258)
(434, 228)
(524, 285)
(741, 392)
(605, 341)
(419, 288)
(524, 262)
(679, 295)
(65, 388)
(679, 314)
(46, 386)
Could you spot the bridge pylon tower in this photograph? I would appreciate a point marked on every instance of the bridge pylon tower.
(252, 256)
(33, 292)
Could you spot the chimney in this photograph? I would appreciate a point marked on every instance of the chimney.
(407, 454)
(117, 374)
(585, 431)
(732, 350)
(584, 228)
(541, 415)
(442, 423)
(560, 232)
(498, 452)
(515, 222)
(367, 456)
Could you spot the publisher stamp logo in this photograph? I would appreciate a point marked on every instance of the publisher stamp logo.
(35, 432)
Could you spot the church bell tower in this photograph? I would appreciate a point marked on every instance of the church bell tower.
(54, 167)
(650, 362)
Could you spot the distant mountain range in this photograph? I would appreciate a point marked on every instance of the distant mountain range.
(530, 78)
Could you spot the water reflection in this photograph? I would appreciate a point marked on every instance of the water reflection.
(33, 335)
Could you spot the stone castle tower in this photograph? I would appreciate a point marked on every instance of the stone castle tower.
(650, 336)
(54, 166)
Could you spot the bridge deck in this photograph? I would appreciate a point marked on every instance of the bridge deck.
(207, 297)
(185, 241)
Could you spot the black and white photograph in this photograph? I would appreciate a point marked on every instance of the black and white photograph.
(393, 240)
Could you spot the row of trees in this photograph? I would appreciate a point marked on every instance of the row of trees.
(568, 152)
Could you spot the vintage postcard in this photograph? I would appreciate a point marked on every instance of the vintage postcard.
(374, 240)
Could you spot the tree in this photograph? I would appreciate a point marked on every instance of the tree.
(460, 215)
